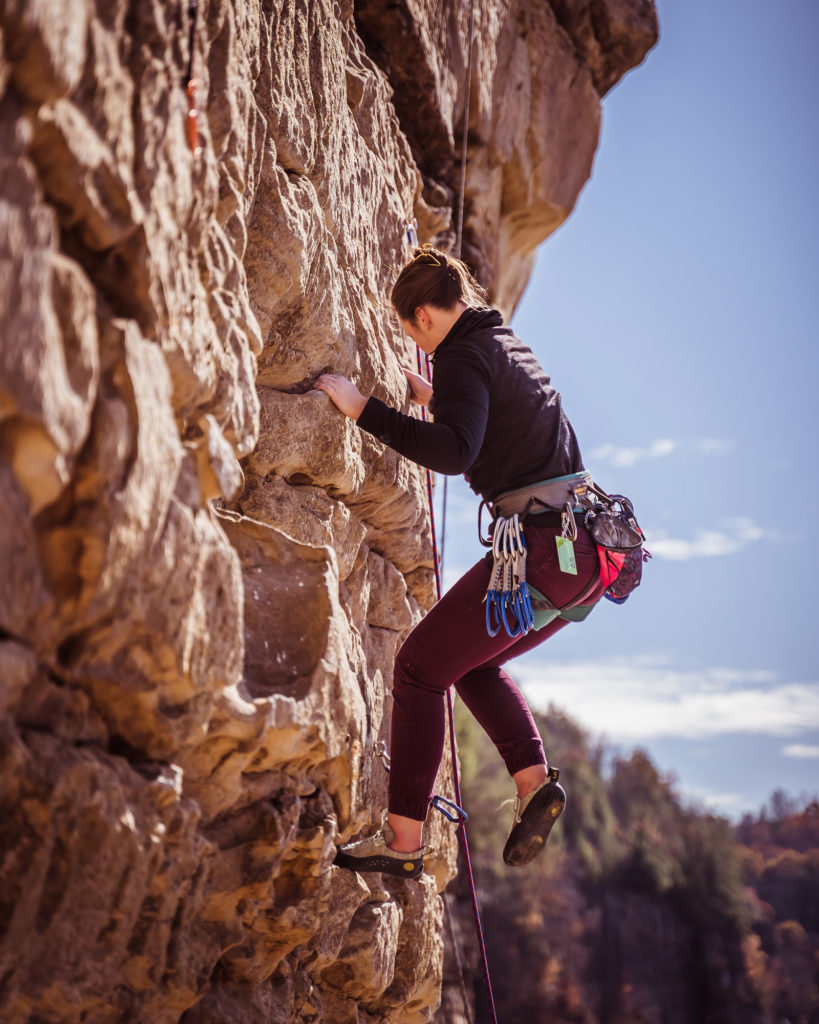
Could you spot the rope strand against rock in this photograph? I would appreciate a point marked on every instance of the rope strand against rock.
(459, 236)
(191, 83)
(438, 563)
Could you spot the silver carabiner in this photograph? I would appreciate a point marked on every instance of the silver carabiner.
(498, 538)
(412, 233)
(568, 524)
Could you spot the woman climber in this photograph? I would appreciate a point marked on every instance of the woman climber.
(498, 420)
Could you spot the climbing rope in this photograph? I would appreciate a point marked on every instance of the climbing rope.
(438, 561)
(456, 775)
(459, 233)
(465, 133)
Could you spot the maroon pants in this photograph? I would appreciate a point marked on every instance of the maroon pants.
(451, 646)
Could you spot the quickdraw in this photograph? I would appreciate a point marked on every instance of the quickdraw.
(508, 603)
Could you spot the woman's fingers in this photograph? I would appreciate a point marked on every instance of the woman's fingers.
(420, 387)
(343, 393)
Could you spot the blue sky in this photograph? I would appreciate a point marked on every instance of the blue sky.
(676, 312)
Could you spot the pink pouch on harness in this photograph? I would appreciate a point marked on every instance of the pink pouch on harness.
(619, 539)
(611, 562)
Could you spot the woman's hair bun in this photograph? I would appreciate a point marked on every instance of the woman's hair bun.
(435, 278)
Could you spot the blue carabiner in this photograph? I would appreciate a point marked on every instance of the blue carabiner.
(527, 603)
(509, 602)
(493, 599)
(520, 612)
(440, 803)
(526, 606)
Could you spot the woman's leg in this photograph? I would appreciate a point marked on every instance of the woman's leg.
(448, 642)
(451, 643)
(489, 692)
(496, 703)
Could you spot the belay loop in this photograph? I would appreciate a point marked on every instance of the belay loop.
(508, 603)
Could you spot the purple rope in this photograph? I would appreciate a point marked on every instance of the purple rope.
(456, 776)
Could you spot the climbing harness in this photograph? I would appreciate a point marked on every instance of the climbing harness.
(610, 520)
(544, 496)
(508, 597)
(191, 84)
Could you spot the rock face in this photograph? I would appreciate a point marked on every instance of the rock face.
(205, 570)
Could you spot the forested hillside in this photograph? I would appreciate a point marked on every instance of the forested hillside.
(644, 910)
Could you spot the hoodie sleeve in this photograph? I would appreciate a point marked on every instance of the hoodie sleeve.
(451, 443)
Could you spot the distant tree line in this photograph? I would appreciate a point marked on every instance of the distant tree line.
(643, 910)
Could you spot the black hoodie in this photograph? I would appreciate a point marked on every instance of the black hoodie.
(497, 418)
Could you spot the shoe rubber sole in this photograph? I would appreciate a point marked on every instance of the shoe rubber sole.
(398, 867)
(528, 837)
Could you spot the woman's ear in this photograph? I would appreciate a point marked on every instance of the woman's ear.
(422, 317)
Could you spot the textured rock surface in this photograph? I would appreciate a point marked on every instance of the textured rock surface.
(206, 571)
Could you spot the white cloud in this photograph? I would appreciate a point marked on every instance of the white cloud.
(626, 456)
(800, 750)
(735, 535)
(714, 446)
(713, 800)
(634, 699)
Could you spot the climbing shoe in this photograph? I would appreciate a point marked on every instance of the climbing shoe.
(374, 854)
(535, 814)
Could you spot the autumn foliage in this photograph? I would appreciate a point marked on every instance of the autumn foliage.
(644, 910)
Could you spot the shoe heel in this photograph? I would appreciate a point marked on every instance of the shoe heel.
(528, 837)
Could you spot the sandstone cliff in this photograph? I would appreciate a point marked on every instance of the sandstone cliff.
(205, 571)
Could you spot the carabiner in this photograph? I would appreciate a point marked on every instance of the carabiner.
(487, 543)
(440, 803)
(527, 602)
(412, 233)
(493, 599)
(509, 602)
(526, 613)
(519, 535)
(568, 524)
(499, 539)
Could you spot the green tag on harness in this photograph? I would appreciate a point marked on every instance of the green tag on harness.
(565, 554)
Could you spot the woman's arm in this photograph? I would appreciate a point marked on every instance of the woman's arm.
(448, 445)
(346, 396)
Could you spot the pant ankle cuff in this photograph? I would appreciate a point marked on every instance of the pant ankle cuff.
(409, 807)
(523, 755)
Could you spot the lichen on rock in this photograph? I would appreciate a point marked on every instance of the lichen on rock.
(206, 570)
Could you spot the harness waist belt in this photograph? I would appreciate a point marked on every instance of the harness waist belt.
(546, 495)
